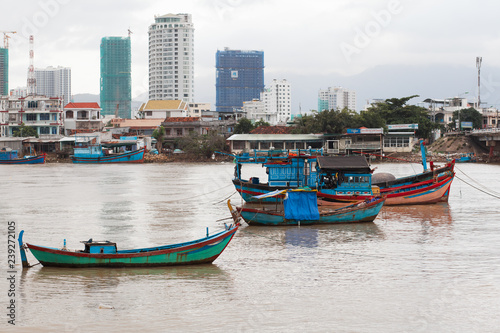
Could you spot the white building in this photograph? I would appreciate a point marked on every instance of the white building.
(274, 106)
(19, 92)
(171, 58)
(278, 99)
(256, 110)
(336, 98)
(54, 82)
(45, 114)
(197, 109)
(82, 118)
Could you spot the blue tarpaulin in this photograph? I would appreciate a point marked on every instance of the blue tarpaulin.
(301, 206)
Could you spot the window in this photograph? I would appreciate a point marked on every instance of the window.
(69, 115)
(44, 116)
(44, 130)
(30, 117)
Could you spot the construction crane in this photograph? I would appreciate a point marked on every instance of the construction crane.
(6, 38)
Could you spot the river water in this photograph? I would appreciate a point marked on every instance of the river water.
(429, 268)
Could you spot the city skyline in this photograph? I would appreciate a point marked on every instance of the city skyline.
(355, 44)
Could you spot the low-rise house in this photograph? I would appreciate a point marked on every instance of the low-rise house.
(161, 109)
(136, 126)
(82, 118)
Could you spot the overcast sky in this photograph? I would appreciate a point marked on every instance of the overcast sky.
(313, 44)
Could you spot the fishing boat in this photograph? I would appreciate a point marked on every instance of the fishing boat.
(106, 254)
(295, 169)
(90, 150)
(9, 156)
(429, 187)
(301, 208)
(463, 158)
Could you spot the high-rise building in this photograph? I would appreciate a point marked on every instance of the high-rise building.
(336, 98)
(116, 90)
(4, 71)
(278, 99)
(171, 58)
(239, 78)
(54, 82)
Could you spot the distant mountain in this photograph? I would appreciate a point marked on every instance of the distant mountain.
(86, 98)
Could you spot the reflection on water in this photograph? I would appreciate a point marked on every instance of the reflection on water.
(436, 214)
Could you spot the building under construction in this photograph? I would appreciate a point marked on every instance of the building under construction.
(240, 78)
(4, 71)
(116, 92)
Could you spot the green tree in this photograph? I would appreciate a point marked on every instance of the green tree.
(396, 111)
(159, 135)
(261, 123)
(24, 131)
(202, 145)
(243, 126)
(469, 114)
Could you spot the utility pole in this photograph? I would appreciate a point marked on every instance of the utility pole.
(479, 60)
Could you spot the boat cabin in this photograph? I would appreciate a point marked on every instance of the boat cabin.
(284, 168)
(99, 247)
(344, 175)
(7, 153)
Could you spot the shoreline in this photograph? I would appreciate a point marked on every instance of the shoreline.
(393, 158)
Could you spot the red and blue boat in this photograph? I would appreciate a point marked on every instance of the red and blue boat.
(9, 156)
(106, 254)
(301, 208)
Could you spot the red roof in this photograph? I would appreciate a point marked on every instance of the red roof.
(73, 105)
(272, 130)
(181, 119)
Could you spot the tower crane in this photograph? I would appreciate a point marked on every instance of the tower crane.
(6, 38)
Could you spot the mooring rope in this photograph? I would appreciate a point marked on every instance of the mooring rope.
(478, 183)
(477, 188)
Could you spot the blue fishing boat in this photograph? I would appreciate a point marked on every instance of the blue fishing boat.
(464, 158)
(348, 178)
(90, 150)
(106, 254)
(286, 169)
(301, 208)
(9, 156)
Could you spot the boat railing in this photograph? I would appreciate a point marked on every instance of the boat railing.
(263, 156)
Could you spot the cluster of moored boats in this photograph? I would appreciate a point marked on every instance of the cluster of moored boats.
(303, 188)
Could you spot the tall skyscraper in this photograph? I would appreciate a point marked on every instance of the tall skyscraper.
(239, 78)
(54, 82)
(116, 90)
(171, 58)
(4, 71)
(336, 98)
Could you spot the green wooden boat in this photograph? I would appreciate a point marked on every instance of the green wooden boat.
(106, 254)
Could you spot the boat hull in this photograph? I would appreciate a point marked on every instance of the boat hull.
(363, 212)
(128, 157)
(429, 194)
(39, 159)
(202, 251)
